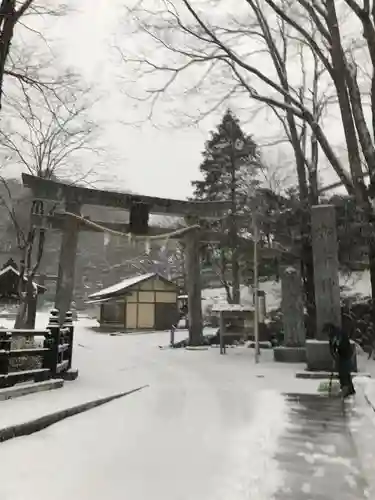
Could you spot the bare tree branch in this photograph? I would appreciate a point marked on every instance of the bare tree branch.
(211, 43)
(46, 133)
(11, 13)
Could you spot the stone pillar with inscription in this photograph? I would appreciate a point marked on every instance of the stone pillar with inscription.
(327, 286)
(326, 267)
(292, 310)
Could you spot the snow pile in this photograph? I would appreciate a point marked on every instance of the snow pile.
(231, 307)
(357, 283)
(363, 429)
(366, 387)
(370, 393)
(364, 384)
(216, 296)
(256, 475)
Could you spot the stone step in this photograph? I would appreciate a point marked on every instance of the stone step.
(286, 354)
(323, 375)
(23, 389)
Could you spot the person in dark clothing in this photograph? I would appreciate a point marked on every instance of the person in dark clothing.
(342, 352)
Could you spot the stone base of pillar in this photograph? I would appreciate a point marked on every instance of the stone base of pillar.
(318, 357)
(71, 374)
(285, 354)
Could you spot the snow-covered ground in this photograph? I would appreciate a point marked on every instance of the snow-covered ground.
(205, 428)
(363, 427)
(364, 384)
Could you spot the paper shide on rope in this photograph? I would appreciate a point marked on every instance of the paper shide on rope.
(107, 239)
(164, 247)
(147, 246)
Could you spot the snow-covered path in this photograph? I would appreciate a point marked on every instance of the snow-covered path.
(205, 428)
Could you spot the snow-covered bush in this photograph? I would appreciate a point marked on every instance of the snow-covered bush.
(357, 320)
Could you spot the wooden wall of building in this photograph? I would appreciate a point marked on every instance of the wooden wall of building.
(151, 305)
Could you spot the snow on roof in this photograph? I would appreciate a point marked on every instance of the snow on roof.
(232, 308)
(118, 288)
(103, 300)
(121, 286)
(10, 269)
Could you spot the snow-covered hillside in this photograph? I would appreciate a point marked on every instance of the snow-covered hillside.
(356, 284)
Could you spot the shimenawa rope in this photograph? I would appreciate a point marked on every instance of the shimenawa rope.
(165, 236)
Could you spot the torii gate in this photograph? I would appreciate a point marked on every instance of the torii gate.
(70, 222)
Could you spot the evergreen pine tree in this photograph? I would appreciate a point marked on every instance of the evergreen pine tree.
(229, 169)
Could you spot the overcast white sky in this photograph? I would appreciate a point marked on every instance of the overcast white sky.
(146, 160)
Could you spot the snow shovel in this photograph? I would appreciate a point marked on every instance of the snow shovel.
(330, 385)
(331, 378)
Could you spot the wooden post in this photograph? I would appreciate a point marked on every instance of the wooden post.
(256, 285)
(5, 346)
(222, 333)
(42, 279)
(52, 342)
(68, 324)
(173, 329)
(68, 251)
(48, 355)
(193, 285)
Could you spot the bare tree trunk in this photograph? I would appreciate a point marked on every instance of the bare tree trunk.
(235, 279)
(338, 75)
(371, 247)
(223, 266)
(233, 230)
(235, 266)
(298, 143)
(31, 301)
(356, 130)
(9, 16)
(307, 269)
(26, 314)
(307, 265)
(7, 21)
(21, 314)
(22, 308)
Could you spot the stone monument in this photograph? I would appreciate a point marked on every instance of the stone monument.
(327, 286)
(292, 309)
(326, 267)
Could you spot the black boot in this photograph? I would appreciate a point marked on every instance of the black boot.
(347, 391)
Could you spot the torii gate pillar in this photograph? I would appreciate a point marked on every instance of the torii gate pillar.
(193, 285)
(67, 261)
